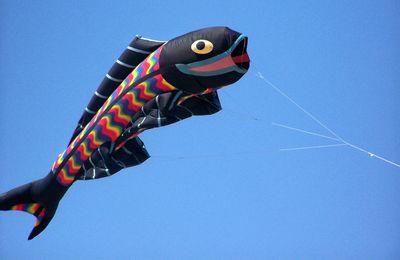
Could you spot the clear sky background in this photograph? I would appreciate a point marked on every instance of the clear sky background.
(216, 187)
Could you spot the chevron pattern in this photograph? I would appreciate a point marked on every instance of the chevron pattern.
(31, 208)
(113, 117)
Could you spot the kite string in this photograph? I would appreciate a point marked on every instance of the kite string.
(305, 132)
(309, 133)
(261, 76)
(247, 113)
(312, 147)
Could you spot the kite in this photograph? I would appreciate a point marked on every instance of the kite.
(152, 84)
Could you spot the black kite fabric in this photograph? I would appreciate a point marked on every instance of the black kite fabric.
(151, 84)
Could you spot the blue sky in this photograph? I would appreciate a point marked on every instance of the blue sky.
(216, 187)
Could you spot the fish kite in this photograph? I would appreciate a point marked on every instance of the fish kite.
(152, 84)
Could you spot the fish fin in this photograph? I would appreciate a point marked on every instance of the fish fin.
(134, 54)
(104, 163)
(133, 152)
(43, 216)
(205, 104)
(39, 198)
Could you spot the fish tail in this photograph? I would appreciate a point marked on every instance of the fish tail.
(39, 198)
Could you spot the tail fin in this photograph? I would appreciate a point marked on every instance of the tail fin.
(34, 198)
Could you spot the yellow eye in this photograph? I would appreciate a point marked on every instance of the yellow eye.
(202, 46)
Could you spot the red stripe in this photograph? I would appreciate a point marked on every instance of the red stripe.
(110, 133)
(142, 92)
(218, 65)
(71, 168)
(145, 67)
(242, 58)
(131, 99)
(91, 138)
(19, 207)
(116, 110)
(81, 150)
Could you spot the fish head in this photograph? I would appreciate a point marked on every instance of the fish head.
(208, 58)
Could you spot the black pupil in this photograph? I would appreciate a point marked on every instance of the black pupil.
(200, 45)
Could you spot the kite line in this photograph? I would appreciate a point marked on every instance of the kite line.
(335, 136)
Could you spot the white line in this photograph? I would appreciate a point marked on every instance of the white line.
(141, 122)
(158, 112)
(94, 168)
(260, 75)
(311, 147)
(138, 50)
(90, 111)
(100, 95)
(372, 154)
(84, 171)
(173, 102)
(125, 64)
(298, 106)
(104, 161)
(113, 79)
(304, 131)
(150, 40)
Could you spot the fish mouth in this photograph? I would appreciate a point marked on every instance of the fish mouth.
(240, 56)
(235, 59)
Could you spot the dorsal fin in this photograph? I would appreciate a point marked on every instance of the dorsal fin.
(134, 54)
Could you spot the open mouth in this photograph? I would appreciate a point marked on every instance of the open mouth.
(240, 56)
(235, 59)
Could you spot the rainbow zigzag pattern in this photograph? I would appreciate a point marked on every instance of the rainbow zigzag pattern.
(113, 117)
(31, 208)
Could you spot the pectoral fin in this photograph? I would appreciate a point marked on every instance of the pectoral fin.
(105, 162)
